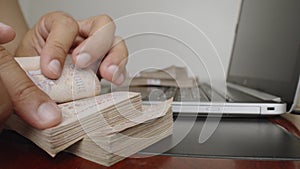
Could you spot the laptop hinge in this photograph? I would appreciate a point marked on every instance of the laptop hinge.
(256, 93)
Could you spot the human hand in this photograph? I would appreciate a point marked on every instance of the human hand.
(57, 34)
(18, 92)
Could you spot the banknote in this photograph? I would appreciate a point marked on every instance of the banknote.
(95, 124)
(73, 84)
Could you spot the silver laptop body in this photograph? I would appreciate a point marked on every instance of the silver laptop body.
(263, 76)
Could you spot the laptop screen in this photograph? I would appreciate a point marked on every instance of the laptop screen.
(266, 53)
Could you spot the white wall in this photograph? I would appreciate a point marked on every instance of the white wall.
(182, 32)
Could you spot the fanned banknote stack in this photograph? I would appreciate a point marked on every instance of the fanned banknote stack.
(101, 128)
(107, 149)
(174, 76)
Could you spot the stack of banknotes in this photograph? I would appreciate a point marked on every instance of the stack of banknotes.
(102, 128)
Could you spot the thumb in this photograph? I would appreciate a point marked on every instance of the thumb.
(6, 33)
(29, 102)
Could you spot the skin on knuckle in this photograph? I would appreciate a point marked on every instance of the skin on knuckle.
(62, 18)
(24, 93)
(107, 20)
(55, 19)
(69, 22)
(3, 52)
(21, 86)
(59, 47)
(5, 59)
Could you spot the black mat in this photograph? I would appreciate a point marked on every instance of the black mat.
(242, 138)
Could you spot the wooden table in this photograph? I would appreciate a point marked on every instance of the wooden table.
(17, 152)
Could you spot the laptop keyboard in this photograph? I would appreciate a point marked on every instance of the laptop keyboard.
(191, 94)
(212, 94)
(232, 95)
(155, 93)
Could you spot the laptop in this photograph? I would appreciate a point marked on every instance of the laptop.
(263, 75)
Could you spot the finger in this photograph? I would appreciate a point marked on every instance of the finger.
(29, 102)
(7, 34)
(5, 104)
(60, 30)
(112, 67)
(99, 32)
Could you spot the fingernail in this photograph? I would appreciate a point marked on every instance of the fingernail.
(2, 25)
(117, 77)
(120, 79)
(112, 69)
(49, 113)
(55, 67)
(83, 60)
